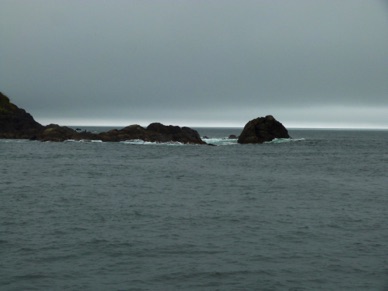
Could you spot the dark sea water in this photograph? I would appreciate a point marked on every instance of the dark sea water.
(303, 214)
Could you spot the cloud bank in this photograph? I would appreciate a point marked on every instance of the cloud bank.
(215, 63)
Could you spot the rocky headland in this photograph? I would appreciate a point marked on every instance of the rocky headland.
(16, 123)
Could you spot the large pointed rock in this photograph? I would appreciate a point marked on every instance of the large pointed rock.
(262, 129)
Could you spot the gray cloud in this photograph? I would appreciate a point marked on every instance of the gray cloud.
(197, 62)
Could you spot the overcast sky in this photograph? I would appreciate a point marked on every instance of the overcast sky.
(310, 63)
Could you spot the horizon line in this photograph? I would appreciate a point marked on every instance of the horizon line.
(212, 124)
(241, 127)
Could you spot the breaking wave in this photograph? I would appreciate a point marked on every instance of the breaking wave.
(209, 140)
(84, 140)
(220, 141)
(232, 141)
(142, 142)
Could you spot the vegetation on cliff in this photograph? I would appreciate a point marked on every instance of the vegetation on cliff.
(6, 107)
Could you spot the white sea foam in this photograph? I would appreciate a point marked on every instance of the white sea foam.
(220, 141)
(232, 141)
(213, 141)
(142, 142)
(14, 140)
(84, 140)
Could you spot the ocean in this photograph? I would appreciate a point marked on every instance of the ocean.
(308, 213)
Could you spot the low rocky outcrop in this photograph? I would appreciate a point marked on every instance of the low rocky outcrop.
(184, 134)
(155, 132)
(16, 123)
(261, 130)
(55, 132)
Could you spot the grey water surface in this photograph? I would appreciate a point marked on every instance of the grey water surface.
(303, 214)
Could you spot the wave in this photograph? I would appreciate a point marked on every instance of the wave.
(132, 142)
(220, 141)
(223, 141)
(9, 140)
(84, 140)
(142, 142)
(285, 140)
(232, 141)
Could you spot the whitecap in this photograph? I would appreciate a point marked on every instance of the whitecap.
(84, 140)
(285, 140)
(220, 141)
(142, 142)
(14, 140)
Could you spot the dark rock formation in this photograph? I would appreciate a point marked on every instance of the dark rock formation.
(16, 122)
(54, 132)
(232, 136)
(155, 132)
(127, 133)
(162, 132)
(262, 129)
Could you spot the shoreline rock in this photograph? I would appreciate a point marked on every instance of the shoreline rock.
(16, 123)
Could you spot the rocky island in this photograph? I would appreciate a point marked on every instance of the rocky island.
(262, 129)
(16, 123)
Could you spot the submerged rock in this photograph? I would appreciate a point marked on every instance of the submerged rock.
(262, 129)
